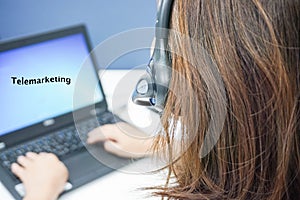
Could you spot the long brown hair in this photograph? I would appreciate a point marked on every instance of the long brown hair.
(255, 47)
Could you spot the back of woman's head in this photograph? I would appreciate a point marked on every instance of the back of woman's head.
(254, 47)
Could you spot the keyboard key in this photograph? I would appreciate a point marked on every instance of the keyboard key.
(7, 164)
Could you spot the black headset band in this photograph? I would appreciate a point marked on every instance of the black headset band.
(163, 19)
(152, 88)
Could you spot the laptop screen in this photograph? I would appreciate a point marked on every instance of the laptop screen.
(37, 81)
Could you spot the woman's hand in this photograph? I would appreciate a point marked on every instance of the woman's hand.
(122, 140)
(43, 175)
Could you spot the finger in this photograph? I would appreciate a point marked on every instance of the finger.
(51, 156)
(114, 148)
(17, 170)
(43, 154)
(47, 156)
(97, 135)
(31, 155)
(24, 161)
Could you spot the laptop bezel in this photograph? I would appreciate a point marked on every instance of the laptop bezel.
(39, 129)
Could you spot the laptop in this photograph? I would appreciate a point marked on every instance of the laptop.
(40, 111)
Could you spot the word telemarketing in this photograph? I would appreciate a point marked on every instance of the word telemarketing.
(45, 80)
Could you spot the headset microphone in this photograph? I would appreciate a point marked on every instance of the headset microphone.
(152, 88)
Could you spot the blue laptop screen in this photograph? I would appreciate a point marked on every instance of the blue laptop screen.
(37, 81)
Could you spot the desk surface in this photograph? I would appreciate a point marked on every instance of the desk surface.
(119, 184)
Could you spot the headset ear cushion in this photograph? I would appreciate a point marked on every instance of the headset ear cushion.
(144, 91)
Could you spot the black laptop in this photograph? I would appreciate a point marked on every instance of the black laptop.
(51, 97)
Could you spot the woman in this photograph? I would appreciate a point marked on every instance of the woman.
(255, 47)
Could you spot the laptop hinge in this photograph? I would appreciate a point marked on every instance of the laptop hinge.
(49, 122)
(2, 145)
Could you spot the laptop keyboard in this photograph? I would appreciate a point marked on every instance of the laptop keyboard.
(62, 143)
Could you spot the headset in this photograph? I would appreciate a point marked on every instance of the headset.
(152, 88)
